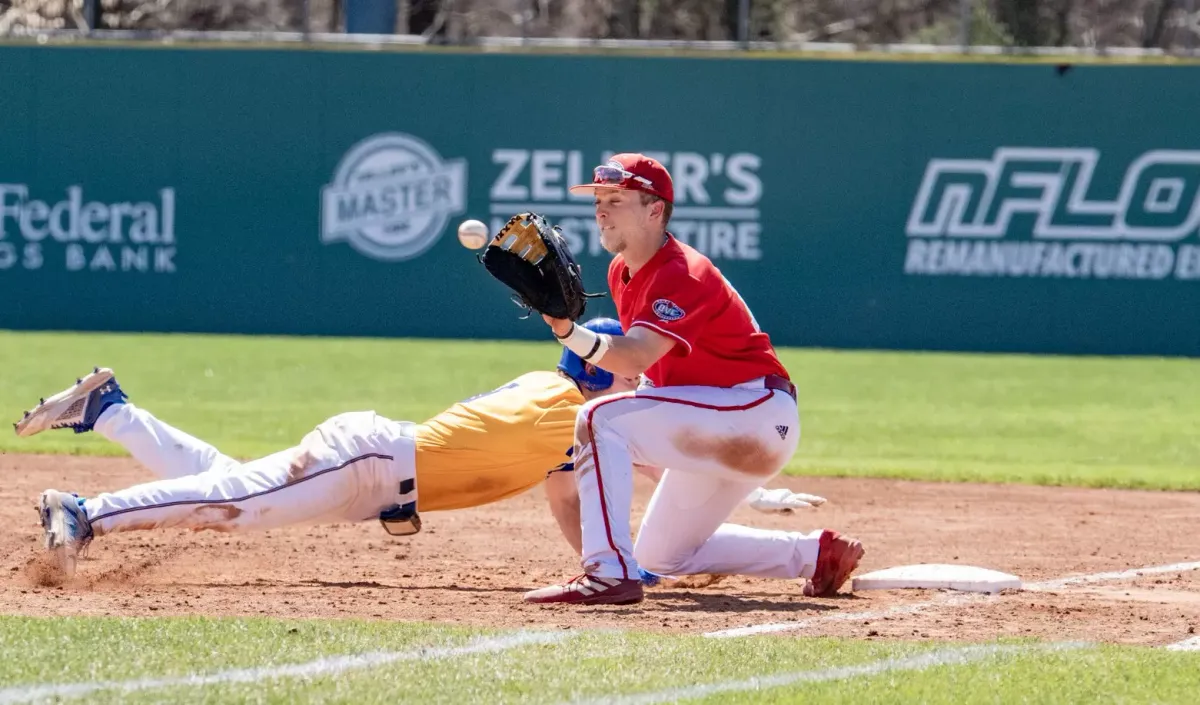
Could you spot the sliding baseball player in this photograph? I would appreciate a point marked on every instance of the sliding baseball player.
(355, 466)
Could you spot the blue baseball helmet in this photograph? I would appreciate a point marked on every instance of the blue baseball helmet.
(590, 376)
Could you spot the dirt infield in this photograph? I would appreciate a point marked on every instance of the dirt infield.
(470, 567)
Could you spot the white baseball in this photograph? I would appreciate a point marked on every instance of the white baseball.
(473, 234)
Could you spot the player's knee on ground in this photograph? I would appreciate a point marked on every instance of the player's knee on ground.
(660, 556)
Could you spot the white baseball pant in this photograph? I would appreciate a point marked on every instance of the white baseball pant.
(718, 445)
(349, 468)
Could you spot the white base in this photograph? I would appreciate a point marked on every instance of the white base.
(937, 576)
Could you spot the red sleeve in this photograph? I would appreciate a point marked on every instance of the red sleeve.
(677, 305)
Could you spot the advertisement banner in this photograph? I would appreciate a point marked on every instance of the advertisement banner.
(980, 207)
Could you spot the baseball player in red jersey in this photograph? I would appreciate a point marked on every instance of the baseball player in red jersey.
(718, 412)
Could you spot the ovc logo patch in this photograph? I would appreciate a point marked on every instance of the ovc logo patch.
(667, 310)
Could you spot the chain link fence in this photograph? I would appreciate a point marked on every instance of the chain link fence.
(1042, 26)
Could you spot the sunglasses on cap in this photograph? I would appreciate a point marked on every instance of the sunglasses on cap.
(615, 175)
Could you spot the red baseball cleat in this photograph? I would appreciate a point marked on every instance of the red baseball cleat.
(589, 590)
(837, 558)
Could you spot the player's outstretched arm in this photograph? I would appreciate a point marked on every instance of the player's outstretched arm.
(563, 496)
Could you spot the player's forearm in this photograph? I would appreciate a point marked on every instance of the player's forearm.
(628, 356)
(569, 522)
(563, 497)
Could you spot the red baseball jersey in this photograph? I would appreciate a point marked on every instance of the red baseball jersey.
(681, 294)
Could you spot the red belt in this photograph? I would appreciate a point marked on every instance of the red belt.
(783, 384)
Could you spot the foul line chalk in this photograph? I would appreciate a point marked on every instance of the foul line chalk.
(1192, 644)
(947, 601)
(932, 659)
(320, 667)
(1120, 575)
(840, 617)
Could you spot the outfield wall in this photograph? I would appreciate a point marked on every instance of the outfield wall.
(907, 205)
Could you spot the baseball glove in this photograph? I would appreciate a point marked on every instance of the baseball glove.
(533, 260)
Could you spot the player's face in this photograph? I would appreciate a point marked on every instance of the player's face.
(621, 216)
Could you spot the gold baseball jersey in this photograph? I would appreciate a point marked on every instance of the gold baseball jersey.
(496, 444)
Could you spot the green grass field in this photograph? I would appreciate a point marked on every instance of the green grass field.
(257, 660)
(1082, 421)
(1103, 422)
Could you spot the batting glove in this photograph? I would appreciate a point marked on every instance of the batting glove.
(782, 501)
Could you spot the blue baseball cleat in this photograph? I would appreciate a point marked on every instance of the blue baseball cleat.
(77, 407)
(67, 529)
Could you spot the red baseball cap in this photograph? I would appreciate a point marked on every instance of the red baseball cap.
(631, 172)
